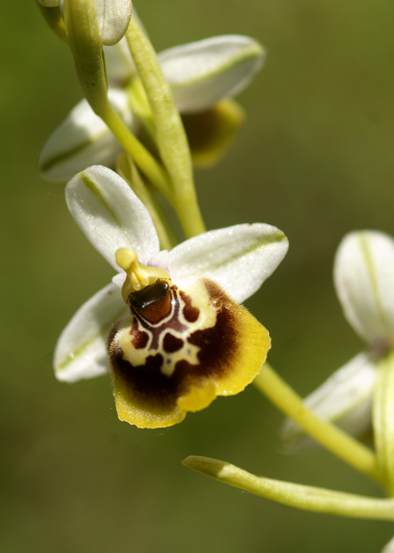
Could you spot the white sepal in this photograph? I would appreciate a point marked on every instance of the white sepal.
(82, 139)
(389, 548)
(202, 73)
(114, 18)
(345, 399)
(364, 278)
(239, 258)
(81, 349)
(110, 214)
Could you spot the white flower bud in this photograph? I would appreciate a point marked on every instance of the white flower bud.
(364, 280)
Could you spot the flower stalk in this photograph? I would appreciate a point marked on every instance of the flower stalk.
(171, 138)
(383, 418)
(332, 438)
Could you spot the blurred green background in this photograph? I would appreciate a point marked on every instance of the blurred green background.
(315, 158)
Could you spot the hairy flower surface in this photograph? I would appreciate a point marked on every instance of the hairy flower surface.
(201, 75)
(175, 335)
(363, 277)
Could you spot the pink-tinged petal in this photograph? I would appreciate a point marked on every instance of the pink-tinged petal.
(81, 351)
(239, 258)
(110, 214)
(160, 260)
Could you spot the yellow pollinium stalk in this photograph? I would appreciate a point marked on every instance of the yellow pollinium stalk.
(138, 276)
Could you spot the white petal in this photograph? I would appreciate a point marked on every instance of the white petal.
(118, 63)
(81, 349)
(114, 18)
(364, 280)
(202, 73)
(83, 139)
(345, 399)
(110, 214)
(239, 258)
(161, 260)
(389, 547)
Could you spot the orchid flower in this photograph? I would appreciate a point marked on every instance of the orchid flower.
(174, 335)
(201, 75)
(363, 276)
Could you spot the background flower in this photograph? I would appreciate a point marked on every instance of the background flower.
(363, 276)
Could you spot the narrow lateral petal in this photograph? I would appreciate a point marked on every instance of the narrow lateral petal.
(239, 258)
(204, 72)
(364, 276)
(345, 399)
(81, 350)
(83, 139)
(110, 214)
(114, 18)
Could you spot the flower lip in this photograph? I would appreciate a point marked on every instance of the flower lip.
(178, 358)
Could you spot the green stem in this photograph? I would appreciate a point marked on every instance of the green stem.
(142, 158)
(307, 498)
(338, 442)
(86, 46)
(171, 137)
(53, 17)
(127, 170)
(140, 106)
(383, 420)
